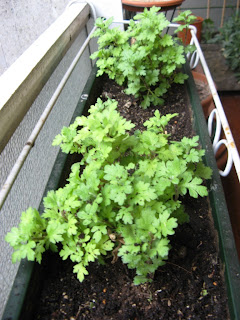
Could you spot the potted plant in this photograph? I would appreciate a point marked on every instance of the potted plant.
(208, 31)
(186, 19)
(124, 196)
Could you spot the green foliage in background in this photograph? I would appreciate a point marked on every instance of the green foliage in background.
(229, 38)
(208, 31)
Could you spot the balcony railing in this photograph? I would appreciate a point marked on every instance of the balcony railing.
(41, 78)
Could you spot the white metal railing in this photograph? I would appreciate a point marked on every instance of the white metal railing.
(218, 114)
(94, 14)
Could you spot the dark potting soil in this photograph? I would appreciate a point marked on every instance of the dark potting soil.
(189, 286)
(175, 102)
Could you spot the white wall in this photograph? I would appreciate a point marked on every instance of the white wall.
(23, 21)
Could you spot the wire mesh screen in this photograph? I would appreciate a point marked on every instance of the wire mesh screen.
(31, 181)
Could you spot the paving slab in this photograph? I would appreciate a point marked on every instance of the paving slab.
(223, 77)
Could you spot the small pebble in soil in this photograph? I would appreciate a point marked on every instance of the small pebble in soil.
(182, 252)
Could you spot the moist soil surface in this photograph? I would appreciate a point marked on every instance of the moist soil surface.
(189, 286)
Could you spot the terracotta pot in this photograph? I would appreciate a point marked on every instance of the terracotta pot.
(139, 5)
(185, 35)
(207, 103)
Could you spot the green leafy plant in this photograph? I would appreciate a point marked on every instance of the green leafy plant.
(142, 58)
(229, 37)
(185, 18)
(123, 198)
(208, 31)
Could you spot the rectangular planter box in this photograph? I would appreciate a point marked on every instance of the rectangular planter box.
(28, 279)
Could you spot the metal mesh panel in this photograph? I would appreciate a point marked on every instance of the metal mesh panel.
(30, 184)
